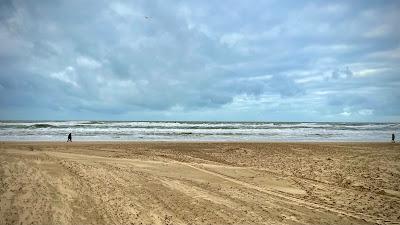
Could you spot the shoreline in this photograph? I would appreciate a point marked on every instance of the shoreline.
(201, 141)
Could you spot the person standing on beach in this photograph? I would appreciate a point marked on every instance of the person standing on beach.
(393, 137)
(69, 137)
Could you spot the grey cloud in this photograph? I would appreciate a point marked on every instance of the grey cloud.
(342, 73)
(285, 86)
(106, 57)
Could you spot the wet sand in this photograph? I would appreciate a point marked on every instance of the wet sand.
(199, 183)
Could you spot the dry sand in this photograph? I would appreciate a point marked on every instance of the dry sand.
(199, 183)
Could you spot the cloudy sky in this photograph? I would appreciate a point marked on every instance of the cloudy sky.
(200, 60)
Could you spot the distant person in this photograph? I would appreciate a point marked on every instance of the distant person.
(69, 137)
(393, 137)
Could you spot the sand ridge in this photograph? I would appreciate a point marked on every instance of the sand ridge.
(199, 183)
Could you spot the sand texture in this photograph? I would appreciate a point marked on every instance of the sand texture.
(199, 183)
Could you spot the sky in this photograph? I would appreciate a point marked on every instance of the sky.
(200, 60)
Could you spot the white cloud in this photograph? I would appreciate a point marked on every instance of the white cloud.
(121, 9)
(231, 39)
(329, 49)
(370, 72)
(366, 112)
(67, 75)
(345, 113)
(334, 8)
(309, 79)
(379, 31)
(87, 62)
(393, 54)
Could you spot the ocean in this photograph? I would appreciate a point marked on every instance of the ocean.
(194, 131)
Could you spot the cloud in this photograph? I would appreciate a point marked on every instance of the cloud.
(67, 76)
(157, 59)
(87, 62)
(366, 112)
(342, 73)
(345, 113)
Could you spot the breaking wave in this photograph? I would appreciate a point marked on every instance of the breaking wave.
(202, 130)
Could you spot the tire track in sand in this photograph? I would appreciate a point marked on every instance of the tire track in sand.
(104, 176)
(285, 198)
(293, 200)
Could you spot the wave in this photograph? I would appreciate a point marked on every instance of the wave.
(92, 122)
(42, 125)
(137, 126)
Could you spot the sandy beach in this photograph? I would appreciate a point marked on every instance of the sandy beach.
(199, 183)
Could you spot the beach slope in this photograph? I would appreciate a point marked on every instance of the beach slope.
(199, 183)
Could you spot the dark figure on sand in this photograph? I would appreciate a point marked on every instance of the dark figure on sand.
(69, 137)
(393, 137)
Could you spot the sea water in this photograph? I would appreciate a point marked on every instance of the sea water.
(194, 131)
